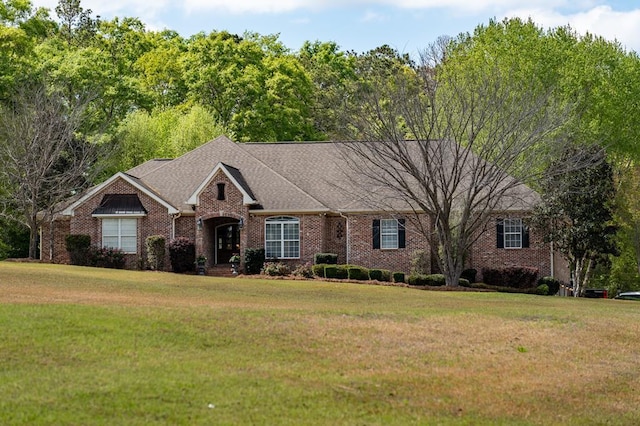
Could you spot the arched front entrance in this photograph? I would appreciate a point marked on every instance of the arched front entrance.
(227, 242)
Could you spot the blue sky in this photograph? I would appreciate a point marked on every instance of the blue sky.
(361, 25)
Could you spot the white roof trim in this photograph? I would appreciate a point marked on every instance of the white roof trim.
(195, 197)
(69, 211)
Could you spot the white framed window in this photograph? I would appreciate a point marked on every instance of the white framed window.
(121, 233)
(388, 234)
(512, 233)
(282, 238)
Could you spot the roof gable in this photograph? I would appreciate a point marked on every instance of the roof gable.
(69, 211)
(234, 176)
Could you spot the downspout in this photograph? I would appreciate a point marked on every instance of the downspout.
(553, 267)
(173, 225)
(346, 219)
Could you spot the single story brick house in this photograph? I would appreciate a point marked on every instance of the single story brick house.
(283, 197)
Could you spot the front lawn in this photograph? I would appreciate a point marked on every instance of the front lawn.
(96, 346)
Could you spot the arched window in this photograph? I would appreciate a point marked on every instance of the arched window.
(282, 238)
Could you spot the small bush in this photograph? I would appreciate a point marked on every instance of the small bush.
(342, 272)
(542, 290)
(514, 277)
(303, 271)
(331, 271)
(551, 283)
(253, 260)
(318, 270)
(155, 252)
(380, 274)
(182, 254)
(436, 280)
(398, 277)
(326, 258)
(417, 279)
(358, 273)
(420, 263)
(463, 282)
(469, 275)
(107, 257)
(78, 246)
(276, 269)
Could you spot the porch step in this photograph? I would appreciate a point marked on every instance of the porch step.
(222, 270)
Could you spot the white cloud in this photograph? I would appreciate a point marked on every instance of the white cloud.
(600, 20)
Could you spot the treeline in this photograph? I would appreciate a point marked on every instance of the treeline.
(155, 94)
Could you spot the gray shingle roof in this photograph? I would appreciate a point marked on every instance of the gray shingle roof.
(285, 176)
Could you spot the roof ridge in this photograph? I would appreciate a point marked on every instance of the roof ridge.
(284, 178)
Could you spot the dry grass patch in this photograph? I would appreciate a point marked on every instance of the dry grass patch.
(84, 346)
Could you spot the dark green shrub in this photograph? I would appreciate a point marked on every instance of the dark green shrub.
(78, 246)
(552, 284)
(342, 272)
(514, 277)
(436, 280)
(417, 279)
(358, 273)
(253, 260)
(318, 270)
(331, 271)
(326, 258)
(380, 274)
(398, 277)
(107, 257)
(463, 282)
(182, 254)
(304, 271)
(542, 290)
(155, 252)
(469, 275)
(276, 269)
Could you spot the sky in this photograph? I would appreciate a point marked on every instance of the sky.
(362, 25)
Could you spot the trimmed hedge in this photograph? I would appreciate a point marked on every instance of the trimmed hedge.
(358, 273)
(514, 277)
(398, 277)
(469, 275)
(326, 258)
(331, 271)
(253, 260)
(107, 257)
(380, 274)
(318, 270)
(417, 279)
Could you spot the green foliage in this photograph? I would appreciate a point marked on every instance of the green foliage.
(327, 258)
(417, 279)
(78, 246)
(514, 277)
(543, 290)
(358, 273)
(553, 285)
(330, 271)
(106, 257)
(276, 269)
(420, 263)
(318, 269)
(253, 260)
(380, 274)
(398, 277)
(182, 254)
(435, 280)
(155, 245)
(469, 275)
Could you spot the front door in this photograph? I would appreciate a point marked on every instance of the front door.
(227, 242)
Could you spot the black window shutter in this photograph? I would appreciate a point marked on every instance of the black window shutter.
(376, 233)
(500, 233)
(525, 236)
(402, 235)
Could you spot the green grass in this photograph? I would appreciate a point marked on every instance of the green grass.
(94, 346)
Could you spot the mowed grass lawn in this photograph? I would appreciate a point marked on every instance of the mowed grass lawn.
(88, 346)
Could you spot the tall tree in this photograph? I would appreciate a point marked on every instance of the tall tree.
(476, 131)
(577, 212)
(43, 160)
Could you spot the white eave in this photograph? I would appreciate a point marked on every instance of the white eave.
(194, 200)
(69, 211)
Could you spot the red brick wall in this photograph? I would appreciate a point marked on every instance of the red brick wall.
(485, 253)
(60, 231)
(361, 251)
(335, 238)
